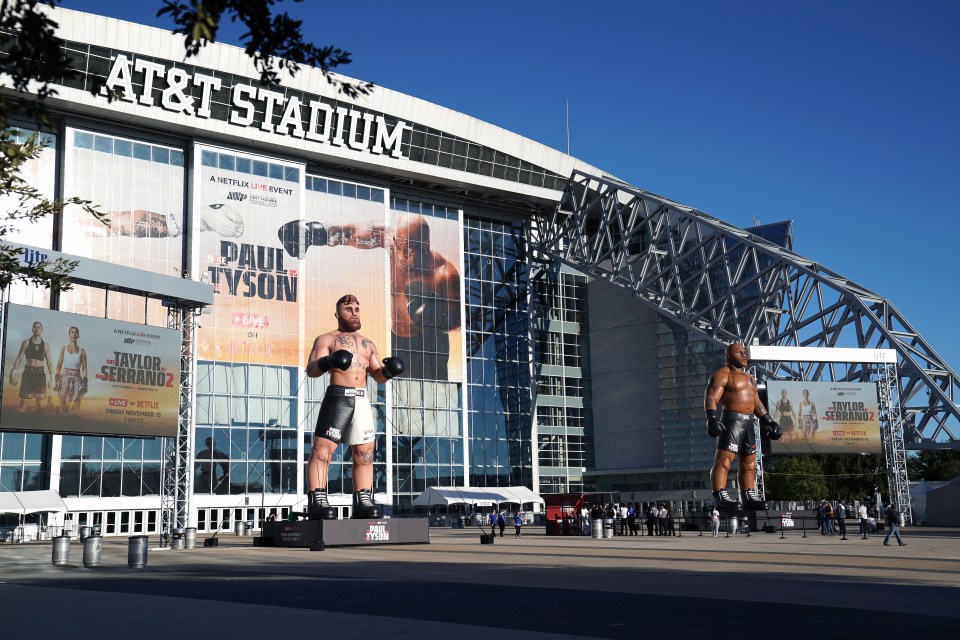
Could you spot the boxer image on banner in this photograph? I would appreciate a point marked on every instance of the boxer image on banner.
(736, 391)
(426, 286)
(218, 217)
(345, 413)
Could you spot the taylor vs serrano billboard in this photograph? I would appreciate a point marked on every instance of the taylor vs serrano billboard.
(70, 373)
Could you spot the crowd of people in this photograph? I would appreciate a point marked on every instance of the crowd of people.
(630, 519)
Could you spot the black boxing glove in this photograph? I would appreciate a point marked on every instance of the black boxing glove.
(424, 308)
(315, 235)
(296, 236)
(289, 235)
(392, 367)
(771, 428)
(339, 359)
(714, 426)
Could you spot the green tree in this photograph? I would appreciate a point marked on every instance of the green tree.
(852, 476)
(933, 466)
(845, 477)
(794, 478)
(32, 63)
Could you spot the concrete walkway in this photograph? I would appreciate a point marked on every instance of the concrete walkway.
(535, 587)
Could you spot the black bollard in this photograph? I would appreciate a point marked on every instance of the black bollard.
(803, 524)
(700, 529)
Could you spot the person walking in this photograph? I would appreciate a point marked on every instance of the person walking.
(493, 524)
(862, 514)
(502, 521)
(893, 525)
(841, 515)
(632, 520)
(715, 522)
(517, 523)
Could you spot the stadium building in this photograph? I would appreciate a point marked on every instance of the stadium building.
(528, 364)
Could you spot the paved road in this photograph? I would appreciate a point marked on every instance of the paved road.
(535, 588)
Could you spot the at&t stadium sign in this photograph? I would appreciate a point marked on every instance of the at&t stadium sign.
(338, 125)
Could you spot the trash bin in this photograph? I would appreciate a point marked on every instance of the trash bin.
(191, 538)
(137, 552)
(596, 528)
(91, 551)
(238, 528)
(85, 532)
(745, 525)
(608, 527)
(61, 551)
(177, 539)
(247, 528)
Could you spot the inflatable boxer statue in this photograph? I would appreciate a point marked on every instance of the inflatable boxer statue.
(736, 390)
(345, 413)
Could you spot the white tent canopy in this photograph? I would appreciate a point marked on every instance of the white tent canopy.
(25, 502)
(476, 495)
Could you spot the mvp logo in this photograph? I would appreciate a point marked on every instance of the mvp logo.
(236, 195)
(128, 341)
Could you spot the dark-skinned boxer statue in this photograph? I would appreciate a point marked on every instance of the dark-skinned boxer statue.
(345, 413)
(736, 391)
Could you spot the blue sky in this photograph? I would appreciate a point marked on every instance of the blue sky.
(839, 116)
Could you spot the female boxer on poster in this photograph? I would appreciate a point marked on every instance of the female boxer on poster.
(37, 369)
(71, 374)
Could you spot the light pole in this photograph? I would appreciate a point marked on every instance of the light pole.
(263, 474)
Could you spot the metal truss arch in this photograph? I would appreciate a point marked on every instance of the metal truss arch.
(731, 285)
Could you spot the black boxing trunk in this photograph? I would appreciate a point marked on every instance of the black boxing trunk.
(739, 433)
(345, 416)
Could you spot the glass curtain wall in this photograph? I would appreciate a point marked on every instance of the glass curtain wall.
(498, 354)
(110, 467)
(563, 415)
(246, 429)
(21, 461)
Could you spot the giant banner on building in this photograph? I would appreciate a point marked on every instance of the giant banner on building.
(69, 373)
(340, 241)
(825, 417)
(140, 187)
(241, 202)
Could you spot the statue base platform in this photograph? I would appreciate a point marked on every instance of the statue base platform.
(317, 534)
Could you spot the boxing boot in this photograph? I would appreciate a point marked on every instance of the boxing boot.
(318, 507)
(724, 502)
(364, 506)
(752, 502)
